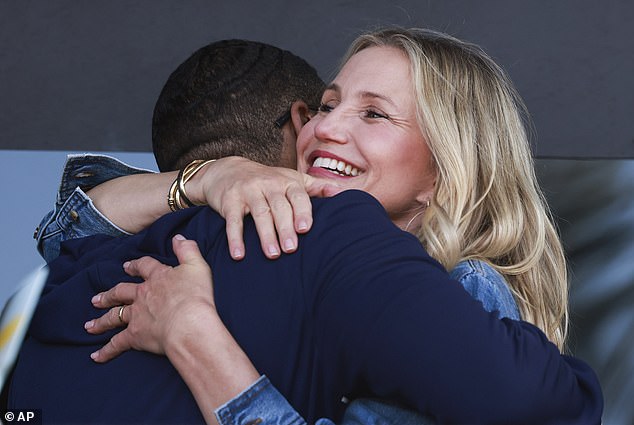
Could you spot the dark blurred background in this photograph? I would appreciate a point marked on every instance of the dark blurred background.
(594, 203)
(84, 76)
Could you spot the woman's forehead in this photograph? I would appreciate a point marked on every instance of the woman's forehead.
(376, 73)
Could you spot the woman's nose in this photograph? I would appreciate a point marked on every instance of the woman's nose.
(332, 126)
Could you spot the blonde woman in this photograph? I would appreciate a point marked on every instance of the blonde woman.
(431, 128)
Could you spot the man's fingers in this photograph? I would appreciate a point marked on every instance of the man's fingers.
(118, 344)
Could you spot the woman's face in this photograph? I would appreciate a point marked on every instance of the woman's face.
(366, 135)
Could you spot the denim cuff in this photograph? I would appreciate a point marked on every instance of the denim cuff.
(260, 404)
(75, 215)
(89, 170)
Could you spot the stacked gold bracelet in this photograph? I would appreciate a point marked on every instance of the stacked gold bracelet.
(177, 196)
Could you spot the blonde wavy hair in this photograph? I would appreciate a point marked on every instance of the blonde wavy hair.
(487, 203)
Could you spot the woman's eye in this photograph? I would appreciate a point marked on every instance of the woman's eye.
(370, 113)
(325, 108)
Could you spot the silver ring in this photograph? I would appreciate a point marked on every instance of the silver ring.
(121, 314)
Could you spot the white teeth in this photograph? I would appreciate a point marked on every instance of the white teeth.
(339, 167)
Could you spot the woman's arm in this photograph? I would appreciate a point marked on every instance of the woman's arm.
(278, 200)
(133, 202)
(173, 313)
(176, 316)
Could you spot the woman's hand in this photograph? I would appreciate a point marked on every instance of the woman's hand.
(173, 313)
(277, 198)
(170, 303)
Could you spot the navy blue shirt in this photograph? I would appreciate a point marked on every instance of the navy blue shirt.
(359, 310)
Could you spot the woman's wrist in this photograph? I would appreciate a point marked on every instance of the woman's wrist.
(198, 184)
(210, 361)
(177, 196)
(132, 202)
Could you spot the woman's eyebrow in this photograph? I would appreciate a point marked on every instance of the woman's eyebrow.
(333, 87)
(374, 95)
(363, 95)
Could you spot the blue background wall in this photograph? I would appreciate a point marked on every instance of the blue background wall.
(84, 75)
(34, 177)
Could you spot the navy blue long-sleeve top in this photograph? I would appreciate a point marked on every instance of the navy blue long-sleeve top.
(360, 310)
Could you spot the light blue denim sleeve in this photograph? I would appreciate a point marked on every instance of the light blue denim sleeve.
(488, 286)
(377, 412)
(260, 404)
(74, 214)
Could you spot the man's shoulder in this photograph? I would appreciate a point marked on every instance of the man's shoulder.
(354, 196)
(355, 214)
(352, 207)
(353, 229)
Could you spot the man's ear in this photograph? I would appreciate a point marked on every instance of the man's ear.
(300, 114)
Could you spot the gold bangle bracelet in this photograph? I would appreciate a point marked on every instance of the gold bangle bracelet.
(177, 196)
(171, 196)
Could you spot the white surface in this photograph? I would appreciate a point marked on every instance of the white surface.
(16, 316)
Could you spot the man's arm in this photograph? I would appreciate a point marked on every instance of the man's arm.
(389, 317)
(398, 326)
(262, 400)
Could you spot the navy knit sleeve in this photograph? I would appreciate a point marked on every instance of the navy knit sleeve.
(406, 331)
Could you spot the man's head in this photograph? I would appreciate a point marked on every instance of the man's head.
(225, 99)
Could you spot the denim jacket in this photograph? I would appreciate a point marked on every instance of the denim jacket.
(75, 216)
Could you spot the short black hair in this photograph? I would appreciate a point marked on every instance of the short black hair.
(224, 100)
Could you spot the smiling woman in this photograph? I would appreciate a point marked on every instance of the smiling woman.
(367, 121)
(434, 130)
